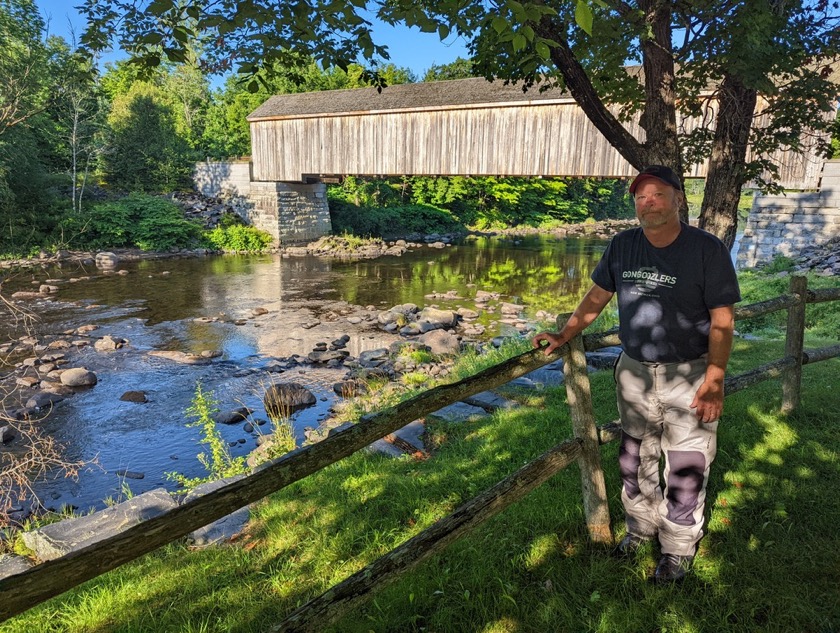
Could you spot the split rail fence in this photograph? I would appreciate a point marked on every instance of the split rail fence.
(41, 582)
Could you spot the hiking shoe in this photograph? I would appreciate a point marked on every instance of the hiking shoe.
(672, 568)
(628, 546)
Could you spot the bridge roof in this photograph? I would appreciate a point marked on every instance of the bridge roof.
(431, 95)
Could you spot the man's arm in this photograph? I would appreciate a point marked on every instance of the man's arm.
(587, 311)
(709, 397)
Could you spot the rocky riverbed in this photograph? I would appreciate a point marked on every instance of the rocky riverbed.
(117, 373)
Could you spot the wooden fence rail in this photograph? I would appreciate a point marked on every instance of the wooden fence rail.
(41, 582)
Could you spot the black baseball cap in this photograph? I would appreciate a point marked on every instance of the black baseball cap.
(661, 173)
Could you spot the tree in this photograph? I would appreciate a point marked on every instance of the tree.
(78, 115)
(22, 59)
(757, 56)
(30, 82)
(145, 152)
(459, 69)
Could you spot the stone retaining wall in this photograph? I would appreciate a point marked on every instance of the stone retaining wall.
(787, 224)
(216, 179)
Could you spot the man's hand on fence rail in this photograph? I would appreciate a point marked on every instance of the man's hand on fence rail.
(555, 341)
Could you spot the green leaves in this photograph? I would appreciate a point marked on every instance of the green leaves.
(584, 16)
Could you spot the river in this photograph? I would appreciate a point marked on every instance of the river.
(209, 304)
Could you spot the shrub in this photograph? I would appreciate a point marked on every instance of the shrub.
(238, 238)
(140, 220)
(391, 221)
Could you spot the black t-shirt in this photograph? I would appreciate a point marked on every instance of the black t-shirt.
(665, 294)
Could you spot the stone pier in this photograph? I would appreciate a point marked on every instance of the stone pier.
(290, 212)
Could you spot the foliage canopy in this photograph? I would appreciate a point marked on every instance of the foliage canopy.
(695, 52)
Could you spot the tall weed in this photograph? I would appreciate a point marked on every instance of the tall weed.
(218, 462)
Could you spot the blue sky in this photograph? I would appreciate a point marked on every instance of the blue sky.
(408, 47)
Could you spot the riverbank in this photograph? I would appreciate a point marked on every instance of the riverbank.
(823, 259)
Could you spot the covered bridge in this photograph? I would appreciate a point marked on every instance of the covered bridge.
(468, 127)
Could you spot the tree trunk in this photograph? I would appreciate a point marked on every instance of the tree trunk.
(659, 116)
(719, 212)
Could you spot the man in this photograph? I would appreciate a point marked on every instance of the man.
(676, 288)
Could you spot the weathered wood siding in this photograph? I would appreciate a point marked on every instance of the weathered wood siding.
(546, 139)
(525, 138)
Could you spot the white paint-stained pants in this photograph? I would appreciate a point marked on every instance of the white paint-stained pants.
(653, 401)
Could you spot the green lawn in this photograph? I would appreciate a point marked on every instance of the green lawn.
(770, 561)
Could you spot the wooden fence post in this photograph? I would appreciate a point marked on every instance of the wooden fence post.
(794, 342)
(579, 396)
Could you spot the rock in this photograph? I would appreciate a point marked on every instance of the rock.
(181, 357)
(234, 416)
(341, 342)
(138, 397)
(438, 318)
(441, 342)
(78, 377)
(369, 356)
(459, 412)
(467, 314)
(109, 344)
(326, 356)
(27, 382)
(283, 398)
(43, 400)
(482, 296)
(259, 311)
(275, 367)
(23, 294)
(7, 434)
(129, 474)
(106, 260)
(604, 358)
(225, 528)
(56, 387)
(350, 388)
(407, 440)
(511, 309)
(47, 289)
(57, 539)
(12, 564)
(490, 401)
(412, 329)
(415, 346)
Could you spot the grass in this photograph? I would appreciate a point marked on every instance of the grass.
(770, 561)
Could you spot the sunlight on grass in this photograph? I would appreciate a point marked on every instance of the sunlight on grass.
(542, 548)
